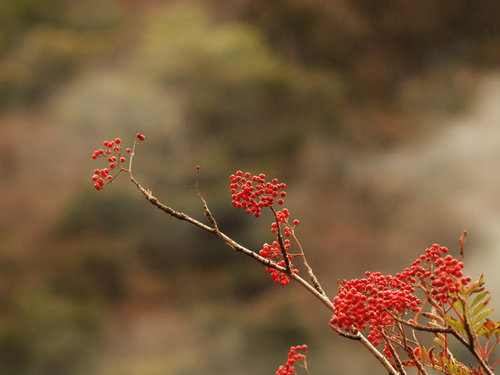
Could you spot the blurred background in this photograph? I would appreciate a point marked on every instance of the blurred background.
(381, 116)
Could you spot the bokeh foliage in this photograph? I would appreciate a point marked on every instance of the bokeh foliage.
(287, 88)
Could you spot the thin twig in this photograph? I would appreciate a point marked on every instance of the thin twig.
(395, 355)
(233, 244)
(449, 329)
(461, 240)
(239, 248)
(313, 277)
(207, 212)
(279, 236)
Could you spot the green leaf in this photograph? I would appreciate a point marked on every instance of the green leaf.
(478, 298)
(474, 288)
(456, 324)
(481, 316)
(478, 309)
(439, 341)
(459, 305)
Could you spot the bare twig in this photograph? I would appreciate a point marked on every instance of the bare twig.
(398, 363)
(461, 240)
(207, 212)
(284, 254)
(233, 244)
(313, 277)
(320, 295)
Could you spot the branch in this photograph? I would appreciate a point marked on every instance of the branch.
(368, 345)
(239, 248)
(228, 240)
(284, 253)
(449, 329)
(313, 277)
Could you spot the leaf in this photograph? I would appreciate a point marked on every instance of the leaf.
(430, 354)
(439, 341)
(474, 288)
(480, 306)
(433, 317)
(434, 325)
(420, 354)
(489, 328)
(478, 298)
(456, 324)
(441, 359)
(459, 305)
(492, 326)
(481, 316)
(408, 363)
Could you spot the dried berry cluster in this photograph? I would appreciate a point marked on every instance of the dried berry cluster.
(112, 153)
(372, 303)
(254, 193)
(293, 358)
(442, 274)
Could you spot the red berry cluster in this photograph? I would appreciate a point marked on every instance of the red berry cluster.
(252, 193)
(293, 357)
(371, 303)
(112, 153)
(441, 272)
(273, 252)
(282, 222)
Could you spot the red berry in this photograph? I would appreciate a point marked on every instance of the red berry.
(118, 140)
